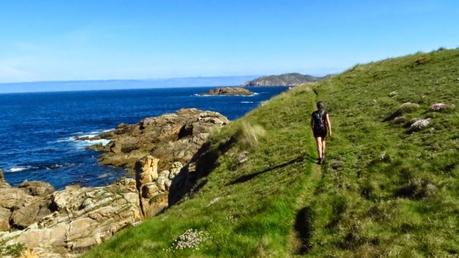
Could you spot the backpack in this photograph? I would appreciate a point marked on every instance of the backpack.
(318, 117)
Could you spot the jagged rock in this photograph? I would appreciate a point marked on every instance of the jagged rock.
(146, 170)
(155, 205)
(5, 215)
(31, 213)
(175, 170)
(37, 188)
(150, 190)
(13, 198)
(419, 124)
(163, 183)
(82, 217)
(438, 107)
(170, 138)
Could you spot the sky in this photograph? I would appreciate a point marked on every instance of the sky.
(51, 40)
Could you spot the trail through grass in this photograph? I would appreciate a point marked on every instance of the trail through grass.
(384, 191)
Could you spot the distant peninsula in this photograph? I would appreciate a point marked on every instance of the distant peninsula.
(228, 91)
(287, 79)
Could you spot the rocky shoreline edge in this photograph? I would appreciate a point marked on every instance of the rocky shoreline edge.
(159, 153)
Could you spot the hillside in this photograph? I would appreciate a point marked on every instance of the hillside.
(287, 79)
(385, 190)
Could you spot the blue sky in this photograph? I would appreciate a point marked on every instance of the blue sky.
(135, 39)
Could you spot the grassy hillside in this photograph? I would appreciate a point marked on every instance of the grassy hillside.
(383, 191)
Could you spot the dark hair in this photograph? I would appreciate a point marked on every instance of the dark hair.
(320, 105)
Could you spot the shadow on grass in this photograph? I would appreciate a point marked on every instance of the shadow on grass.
(303, 230)
(205, 161)
(246, 178)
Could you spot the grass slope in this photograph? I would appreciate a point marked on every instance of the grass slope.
(386, 192)
(383, 191)
(246, 209)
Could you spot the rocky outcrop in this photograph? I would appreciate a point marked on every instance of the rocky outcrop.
(154, 187)
(228, 91)
(64, 223)
(37, 188)
(170, 138)
(67, 221)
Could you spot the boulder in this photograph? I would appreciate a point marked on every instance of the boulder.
(438, 107)
(37, 188)
(155, 205)
(408, 107)
(31, 213)
(419, 124)
(13, 198)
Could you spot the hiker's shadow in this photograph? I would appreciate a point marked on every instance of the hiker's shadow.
(248, 177)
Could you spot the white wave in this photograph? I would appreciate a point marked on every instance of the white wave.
(247, 102)
(83, 140)
(19, 168)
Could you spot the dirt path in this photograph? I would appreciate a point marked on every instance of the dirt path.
(302, 226)
(300, 236)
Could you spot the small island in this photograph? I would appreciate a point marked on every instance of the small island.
(228, 91)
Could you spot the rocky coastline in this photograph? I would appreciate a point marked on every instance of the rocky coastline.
(35, 218)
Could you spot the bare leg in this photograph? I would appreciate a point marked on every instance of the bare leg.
(323, 148)
(319, 146)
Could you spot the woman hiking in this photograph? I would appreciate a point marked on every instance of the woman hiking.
(320, 124)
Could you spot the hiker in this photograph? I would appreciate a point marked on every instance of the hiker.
(320, 124)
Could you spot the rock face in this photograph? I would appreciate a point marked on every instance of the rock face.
(153, 187)
(170, 138)
(65, 223)
(229, 91)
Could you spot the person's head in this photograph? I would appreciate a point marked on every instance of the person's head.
(320, 105)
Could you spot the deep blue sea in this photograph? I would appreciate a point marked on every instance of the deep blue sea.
(37, 130)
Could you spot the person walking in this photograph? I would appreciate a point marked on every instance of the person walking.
(320, 124)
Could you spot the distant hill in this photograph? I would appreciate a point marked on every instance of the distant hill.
(286, 79)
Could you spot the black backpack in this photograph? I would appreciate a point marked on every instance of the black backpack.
(318, 117)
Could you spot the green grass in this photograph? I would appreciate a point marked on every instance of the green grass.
(257, 199)
(382, 192)
(386, 192)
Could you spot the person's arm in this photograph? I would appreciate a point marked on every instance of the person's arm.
(329, 125)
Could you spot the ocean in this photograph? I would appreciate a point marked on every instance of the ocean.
(38, 130)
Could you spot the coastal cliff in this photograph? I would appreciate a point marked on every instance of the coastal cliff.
(64, 223)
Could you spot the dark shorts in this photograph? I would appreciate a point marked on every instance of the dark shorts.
(320, 132)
